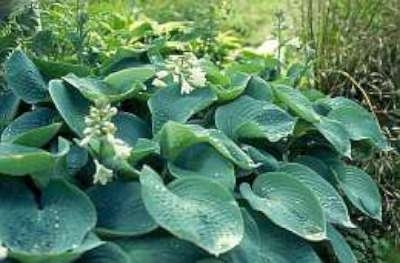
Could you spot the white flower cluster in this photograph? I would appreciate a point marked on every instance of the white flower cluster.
(102, 175)
(99, 126)
(185, 69)
(3, 253)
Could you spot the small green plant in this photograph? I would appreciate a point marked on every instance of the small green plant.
(238, 169)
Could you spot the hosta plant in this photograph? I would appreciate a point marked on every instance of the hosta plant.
(145, 164)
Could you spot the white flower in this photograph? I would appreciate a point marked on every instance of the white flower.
(102, 175)
(121, 148)
(159, 83)
(197, 77)
(85, 141)
(270, 46)
(186, 88)
(3, 252)
(162, 74)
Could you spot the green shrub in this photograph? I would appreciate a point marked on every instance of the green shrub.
(170, 158)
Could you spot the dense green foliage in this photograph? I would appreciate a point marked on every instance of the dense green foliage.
(123, 136)
(168, 152)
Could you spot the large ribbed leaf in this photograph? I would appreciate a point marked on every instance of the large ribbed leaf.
(120, 209)
(297, 102)
(340, 247)
(336, 134)
(160, 249)
(53, 70)
(249, 249)
(24, 78)
(98, 90)
(52, 224)
(130, 128)
(361, 190)
(8, 107)
(332, 203)
(360, 124)
(90, 242)
(107, 253)
(318, 166)
(22, 160)
(288, 203)
(34, 128)
(203, 160)
(265, 242)
(176, 137)
(267, 161)
(169, 104)
(250, 118)
(194, 209)
(71, 105)
(127, 78)
(259, 89)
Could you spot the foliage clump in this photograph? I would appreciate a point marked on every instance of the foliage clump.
(241, 168)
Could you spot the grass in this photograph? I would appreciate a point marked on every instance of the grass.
(254, 19)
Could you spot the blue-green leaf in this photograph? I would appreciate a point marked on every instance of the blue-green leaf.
(169, 104)
(195, 209)
(250, 118)
(120, 209)
(288, 203)
(24, 78)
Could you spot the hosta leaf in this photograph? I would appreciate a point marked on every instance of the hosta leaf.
(318, 166)
(250, 118)
(340, 247)
(210, 260)
(203, 160)
(277, 242)
(332, 203)
(24, 78)
(194, 209)
(176, 137)
(120, 209)
(57, 169)
(53, 70)
(336, 134)
(142, 149)
(107, 253)
(267, 160)
(288, 203)
(359, 123)
(76, 159)
(361, 190)
(169, 104)
(22, 160)
(90, 242)
(297, 102)
(127, 78)
(265, 242)
(130, 128)
(56, 222)
(9, 104)
(71, 105)
(34, 128)
(237, 85)
(250, 248)
(151, 249)
(259, 89)
(98, 90)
